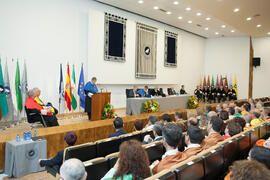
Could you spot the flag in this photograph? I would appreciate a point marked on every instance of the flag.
(3, 100)
(24, 86)
(81, 89)
(204, 81)
(217, 84)
(226, 84)
(213, 83)
(73, 101)
(68, 90)
(61, 92)
(235, 84)
(200, 81)
(208, 81)
(18, 88)
(10, 115)
(221, 81)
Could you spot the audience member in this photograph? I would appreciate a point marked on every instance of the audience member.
(151, 121)
(157, 131)
(192, 122)
(266, 112)
(73, 169)
(138, 125)
(166, 118)
(172, 135)
(238, 111)
(232, 129)
(56, 162)
(191, 115)
(203, 120)
(211, 114)
(231, 112)
(132, 162)
(241, 121)
(225, 107)
(214, 127)
(193, 141)
(178, 116)
(208, 109)
(219, 108)
(267, 143)
(260, 154)
(199, 112)
(118, 125)
(255, 116)
(224, 115)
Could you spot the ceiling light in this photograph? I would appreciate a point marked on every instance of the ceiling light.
(188, 8)
(180, 17)
(206, 28)
(168, 12)
(236, 10)
(223, 26)
(140, 1)
(198, 14)
(175, 2)
(232, 31)
(217, 33)
(259, 25)
(208, 18)
(189, 22)
(249, 18)
(155, 7)
(268, 33)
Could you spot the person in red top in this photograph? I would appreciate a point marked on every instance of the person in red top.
(232, 129)
(34, 111)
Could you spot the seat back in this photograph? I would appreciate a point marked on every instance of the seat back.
(254, 136)
(263, 131)
(96, 168)
(108, 146)
(112, 158)
(213, 162)
(144, 133)
(83, 152)
(155, 151)
(191, 170)
(243, 145)
(231, 152)
(126, 137)
(163, 175)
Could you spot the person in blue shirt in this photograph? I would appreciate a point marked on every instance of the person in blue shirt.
(118, 125)
(90, 88)
(144, 92)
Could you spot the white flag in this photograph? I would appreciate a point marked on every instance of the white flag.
(24, 85)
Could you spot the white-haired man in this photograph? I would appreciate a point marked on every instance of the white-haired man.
(73, 169)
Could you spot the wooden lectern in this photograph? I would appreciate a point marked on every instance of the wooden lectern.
(99, 100)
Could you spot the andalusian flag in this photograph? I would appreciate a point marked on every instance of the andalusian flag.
(208, 81)
(68, 90)
(18, 88)
(73, 102)
(226, 84)
(3, 99)
(235, 84)
(204, 81)
(213, 83)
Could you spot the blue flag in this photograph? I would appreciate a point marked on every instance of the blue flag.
(81, 89)
(61, 92)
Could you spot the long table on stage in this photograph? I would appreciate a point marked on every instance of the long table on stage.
(134, 105)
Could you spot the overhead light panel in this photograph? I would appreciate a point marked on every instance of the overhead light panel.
(268, 33)
(206, 28)
(199, 14)
(188, 8)
(249, 18)
(189, 22)
(180, 17)
(259, 25)
(236, 10)
(232, 31)
(175, 2)
(217, 33)
(156, 7)
(168, 12)
(208, 19)
(223, 26)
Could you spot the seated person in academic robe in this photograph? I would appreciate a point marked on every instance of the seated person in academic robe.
(39, 101)
(232, 129)
(204, 93)
(214, 127)
(118, 125)
(37, 110)
(151, 122)
(221, 94)
(144, 92)
(172, 135)
(171, 91)
(211, 95)
(198, 93)
(193, 141)
(157, 131)
(56, 162)
(182, 90)
(133, 93)
(132, 163)
(231, 93)
(156, 92)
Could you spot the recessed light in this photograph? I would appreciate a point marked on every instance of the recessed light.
(199, 14)
(249, 18)
(188, 8)
(268, 33)
(217, 33)
(155, 7)
(223, 26)
(140, 1)
(180, 17)
(189, 22)
(259, 25)
(175, 2)
(168, 12)
(236, 10)
(206, 28)
(232, 31)
(208, 19)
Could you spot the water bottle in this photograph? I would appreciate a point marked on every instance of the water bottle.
(29, 135)
(18, 139)
(35, 133)
(24, 136)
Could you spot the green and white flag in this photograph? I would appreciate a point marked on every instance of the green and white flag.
(10, 115)
(18, 88)
(73, 82)
(3, 100)
(24, 85)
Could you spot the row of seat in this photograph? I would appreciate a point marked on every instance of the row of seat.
(214, 162)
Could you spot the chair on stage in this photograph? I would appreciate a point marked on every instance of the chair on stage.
(83, 152)
(34, 117)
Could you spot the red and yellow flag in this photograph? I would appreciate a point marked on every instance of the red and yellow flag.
(68, 98)
(221, 81)
(208, 81)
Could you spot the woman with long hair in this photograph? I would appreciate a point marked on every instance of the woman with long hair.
(132, 163)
